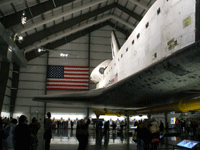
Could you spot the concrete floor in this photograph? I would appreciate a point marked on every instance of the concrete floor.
(65, 139)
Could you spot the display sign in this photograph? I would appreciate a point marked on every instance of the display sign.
(135, 127)
(161, 136)
(188, 143)
(173, 120)
(174, 138)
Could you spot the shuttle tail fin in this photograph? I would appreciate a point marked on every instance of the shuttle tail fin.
(114, 44)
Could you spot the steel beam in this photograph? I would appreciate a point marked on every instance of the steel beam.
(125, 32)
(14, 19)
(65, 25)
(140, 4)
(6, 2)
(55, 17)
(129, 12)
(68, 32)
(33, 54)
(29, 40)
(13, 53)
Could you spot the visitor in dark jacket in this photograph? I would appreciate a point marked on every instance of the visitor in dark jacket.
(161, 126)
(82, 133)
(34, 127)
(154, 135)
(142, 135)
(22, 134)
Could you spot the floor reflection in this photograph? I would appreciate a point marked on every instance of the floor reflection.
(68, 136)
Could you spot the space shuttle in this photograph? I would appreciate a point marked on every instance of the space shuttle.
(97, 74)
(158, 65)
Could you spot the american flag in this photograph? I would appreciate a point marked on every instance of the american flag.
(116, 77)
(70, 78)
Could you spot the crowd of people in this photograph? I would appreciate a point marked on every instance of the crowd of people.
(147, 134)
(19, 136)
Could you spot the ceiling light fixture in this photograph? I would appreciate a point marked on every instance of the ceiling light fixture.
(23, 18)
(63, 55)
(10, 48)
(18, 38)
(41, 50)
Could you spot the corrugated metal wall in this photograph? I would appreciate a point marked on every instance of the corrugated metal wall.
(6, 103)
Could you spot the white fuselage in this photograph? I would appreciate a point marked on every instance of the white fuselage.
(167, 27)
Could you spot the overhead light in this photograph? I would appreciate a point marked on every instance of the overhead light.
(63, 55)
(23, 18)
(41, 50)
(10, 48)
(18, 38)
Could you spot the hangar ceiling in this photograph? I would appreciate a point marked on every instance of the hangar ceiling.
(53, 23)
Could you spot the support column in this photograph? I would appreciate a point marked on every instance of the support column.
(166, 122)
(14, 88)
(99, 134)
(89, 42)
(4, 73)
(47, 63)
(88, 112)
(128, 123)
(128, 140)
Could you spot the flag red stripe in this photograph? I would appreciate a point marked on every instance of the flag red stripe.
(67, 81)
(69, 89)
(75, 78)
(76, 74)
(65, 70)
(70, 85)
(76, 67)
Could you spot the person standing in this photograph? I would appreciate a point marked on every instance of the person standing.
(48, 132)
(72, 123)
(142, 133)
(34, 127)
(106, 127)
(22, 134)
(9, 141)
(194, 127)
(82, 133)
(161, 126)
(67, 124)
(114, 126)
(154, 135)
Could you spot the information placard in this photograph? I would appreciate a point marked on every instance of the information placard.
(187, 143)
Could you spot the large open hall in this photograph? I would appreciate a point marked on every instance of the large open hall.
(100, 74)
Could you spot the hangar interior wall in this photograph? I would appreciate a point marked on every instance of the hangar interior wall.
(6, 103)
(32, 79)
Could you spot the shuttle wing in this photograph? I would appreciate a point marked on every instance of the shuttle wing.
(169, 81)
